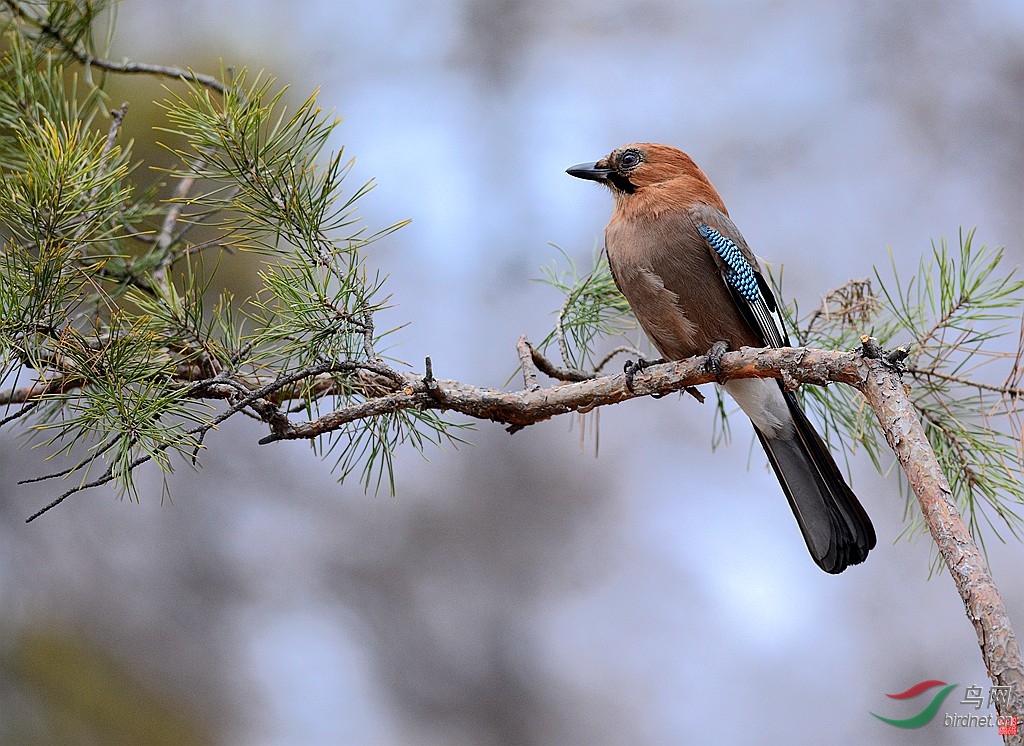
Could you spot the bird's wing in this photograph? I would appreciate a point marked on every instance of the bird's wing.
(742, 275)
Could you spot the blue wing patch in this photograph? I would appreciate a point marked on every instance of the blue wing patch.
(739, 275)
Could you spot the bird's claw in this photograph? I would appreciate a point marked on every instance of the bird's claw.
(713, 363)
(632, 367)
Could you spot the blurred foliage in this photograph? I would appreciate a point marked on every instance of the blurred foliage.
(961, 317)
(113, 336)
(61, 689)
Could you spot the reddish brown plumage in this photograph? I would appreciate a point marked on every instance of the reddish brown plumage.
(674, 253)
(659, 260)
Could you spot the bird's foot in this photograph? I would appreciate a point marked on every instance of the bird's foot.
(632, 367)
(713, 364)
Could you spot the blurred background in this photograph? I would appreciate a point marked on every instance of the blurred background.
(522, 590)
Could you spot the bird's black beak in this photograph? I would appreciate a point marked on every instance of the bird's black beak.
(590, 171)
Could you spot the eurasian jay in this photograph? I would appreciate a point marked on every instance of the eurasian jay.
(697, 289)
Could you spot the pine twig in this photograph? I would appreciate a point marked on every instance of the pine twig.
(125, 66)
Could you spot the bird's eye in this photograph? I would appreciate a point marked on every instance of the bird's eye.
(629, 159)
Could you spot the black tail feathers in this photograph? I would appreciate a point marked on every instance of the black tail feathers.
(835, 526)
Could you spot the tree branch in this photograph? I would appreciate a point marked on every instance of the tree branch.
(529, 369)
(165, 237)
(887, 395)
(529, 406)
(1012, 392)
(87, 59)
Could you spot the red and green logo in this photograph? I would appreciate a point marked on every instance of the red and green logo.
(924, 716)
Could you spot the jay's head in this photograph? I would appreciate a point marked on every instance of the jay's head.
(632, 168)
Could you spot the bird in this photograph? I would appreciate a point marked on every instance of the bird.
(697, 289)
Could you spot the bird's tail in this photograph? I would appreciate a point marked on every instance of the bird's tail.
(836, 528)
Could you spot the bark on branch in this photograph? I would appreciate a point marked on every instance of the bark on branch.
(530, 406)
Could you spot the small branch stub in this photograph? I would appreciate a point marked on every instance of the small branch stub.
(429, 382)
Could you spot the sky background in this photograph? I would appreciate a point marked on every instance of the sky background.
(522, 591)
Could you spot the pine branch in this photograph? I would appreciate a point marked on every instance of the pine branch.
(77, 51)
(1011, 392)
(896, 414)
